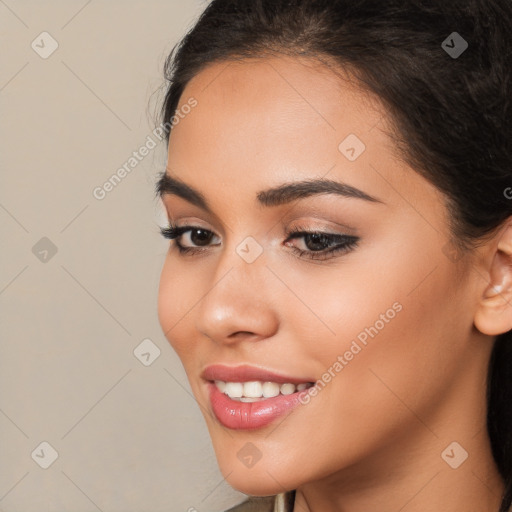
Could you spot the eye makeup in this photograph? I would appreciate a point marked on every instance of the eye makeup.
(331, 244)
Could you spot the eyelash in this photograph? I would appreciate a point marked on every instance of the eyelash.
(346, 243)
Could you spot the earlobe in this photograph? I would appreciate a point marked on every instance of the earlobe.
(494, 310)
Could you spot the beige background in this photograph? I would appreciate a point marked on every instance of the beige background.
(129, 437)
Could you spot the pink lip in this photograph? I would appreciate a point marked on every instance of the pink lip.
(249, 415)
(245, 373)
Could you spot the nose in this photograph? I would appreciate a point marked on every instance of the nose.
(237, 302)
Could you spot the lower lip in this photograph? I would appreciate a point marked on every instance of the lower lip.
(250, 415)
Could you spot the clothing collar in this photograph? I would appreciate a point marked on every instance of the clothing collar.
(284, 502)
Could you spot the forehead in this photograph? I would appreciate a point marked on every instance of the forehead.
(261, 122)
(279, 99)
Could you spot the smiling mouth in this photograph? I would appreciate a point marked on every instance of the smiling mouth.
(251, 397)
(255, 391)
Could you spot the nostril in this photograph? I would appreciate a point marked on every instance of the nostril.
(241, 334)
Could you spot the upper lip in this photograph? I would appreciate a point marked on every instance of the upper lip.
(245, 373)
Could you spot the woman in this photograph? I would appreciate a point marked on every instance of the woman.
(339, 281)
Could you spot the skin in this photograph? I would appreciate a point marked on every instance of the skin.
(372, 438)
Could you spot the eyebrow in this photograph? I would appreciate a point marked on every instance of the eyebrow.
(276, 196)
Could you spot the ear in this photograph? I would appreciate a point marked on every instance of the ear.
(494, 309)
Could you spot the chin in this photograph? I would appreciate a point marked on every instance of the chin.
(264, 478)
(255, 484)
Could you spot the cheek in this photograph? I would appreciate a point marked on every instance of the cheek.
(394, 318)
(330, 307)
(176, 299)
(401, 337)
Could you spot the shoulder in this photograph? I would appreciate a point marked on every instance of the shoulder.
(279, 503)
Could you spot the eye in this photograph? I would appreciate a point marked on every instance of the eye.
(198, 237)
(321, 245)
(318, 245)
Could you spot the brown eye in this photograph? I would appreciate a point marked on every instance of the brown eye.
(317, 241)
(200, 236)
(319, 245)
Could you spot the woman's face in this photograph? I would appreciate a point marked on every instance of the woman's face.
(383, 326)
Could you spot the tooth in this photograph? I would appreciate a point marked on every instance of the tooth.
(270, 389)
(253, 389)
(234, 389)
(287, 389)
